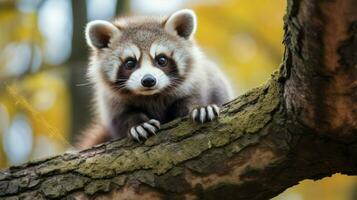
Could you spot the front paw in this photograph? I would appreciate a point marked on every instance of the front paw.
(144, 130)
(205, 113)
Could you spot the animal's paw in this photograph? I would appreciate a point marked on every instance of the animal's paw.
(144, 130)
(205, 113)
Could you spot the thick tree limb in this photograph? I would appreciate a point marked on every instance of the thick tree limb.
(321, 62)
(300, 125)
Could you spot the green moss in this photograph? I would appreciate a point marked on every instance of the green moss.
(60, 185)
(157, 163)
(119, 180)
(161, 158)
(212, 161)
(97, 186)
(59, 165)
(144, 177)
(173, 181)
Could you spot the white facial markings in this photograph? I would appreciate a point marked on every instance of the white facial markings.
(136, 51)
(169, 49)
(180, 58)
(157, 49)
(112, 60)
(130, 51)
(134, 82)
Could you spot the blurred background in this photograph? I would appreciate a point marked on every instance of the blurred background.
(44, 94)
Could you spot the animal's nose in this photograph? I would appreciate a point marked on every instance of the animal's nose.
(148, 81)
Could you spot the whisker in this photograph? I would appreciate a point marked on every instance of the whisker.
(83, 84)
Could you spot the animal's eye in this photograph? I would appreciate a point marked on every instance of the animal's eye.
(130, 63)
(161, 60)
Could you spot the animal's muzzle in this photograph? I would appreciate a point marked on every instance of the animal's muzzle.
(148, 81)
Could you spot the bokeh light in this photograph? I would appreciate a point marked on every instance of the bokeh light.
(55, 24)
(100, 10)
(18, 140)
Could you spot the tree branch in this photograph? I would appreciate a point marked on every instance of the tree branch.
(300, 125)
(320, 65)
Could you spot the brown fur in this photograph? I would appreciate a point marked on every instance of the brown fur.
(94, 135)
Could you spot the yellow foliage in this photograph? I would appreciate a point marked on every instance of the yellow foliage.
(17, 26)
(337, 187)
(245, 36)
(44, 98)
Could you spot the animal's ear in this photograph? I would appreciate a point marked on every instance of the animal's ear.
(99, 33)
(182, 23)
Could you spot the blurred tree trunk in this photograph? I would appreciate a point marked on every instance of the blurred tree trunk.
(301, 125)
(80, 90)
(79, 46)
(121, 6)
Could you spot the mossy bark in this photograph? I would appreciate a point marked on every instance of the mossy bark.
(300, 125)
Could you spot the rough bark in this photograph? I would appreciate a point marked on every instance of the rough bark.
(300, 125)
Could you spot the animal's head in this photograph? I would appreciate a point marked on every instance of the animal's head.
(143, 55)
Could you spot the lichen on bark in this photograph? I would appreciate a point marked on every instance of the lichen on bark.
(180, 148)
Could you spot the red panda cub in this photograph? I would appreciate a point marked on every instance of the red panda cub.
(147, 71)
